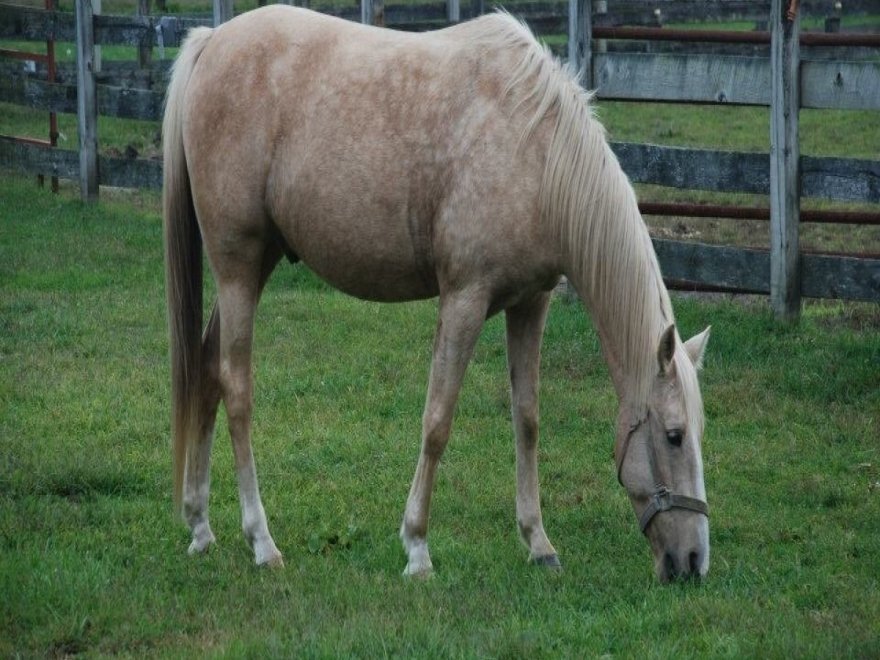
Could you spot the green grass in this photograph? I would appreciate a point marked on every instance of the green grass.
(91, 560)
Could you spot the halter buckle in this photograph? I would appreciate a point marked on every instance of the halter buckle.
(662, 498)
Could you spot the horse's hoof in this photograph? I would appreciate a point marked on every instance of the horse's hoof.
(420, 573)
(274, 562)
(200, 545)
(548, 561)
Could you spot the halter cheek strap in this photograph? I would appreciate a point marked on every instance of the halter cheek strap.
(662, 499)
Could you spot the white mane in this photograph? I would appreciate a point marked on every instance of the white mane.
(590, 203)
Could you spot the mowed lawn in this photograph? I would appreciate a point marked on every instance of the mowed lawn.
(92, 560)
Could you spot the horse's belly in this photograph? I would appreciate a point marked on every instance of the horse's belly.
(369, 258)
(382, 282)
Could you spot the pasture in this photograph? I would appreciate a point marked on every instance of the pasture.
(92, 560)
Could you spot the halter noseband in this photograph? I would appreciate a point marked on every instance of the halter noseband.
(662, 499)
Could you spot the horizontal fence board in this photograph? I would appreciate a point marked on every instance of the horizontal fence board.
(715, 265)
(38, 94)
(130, 172)
(738, 80)
(119, 172)
(841, 179)
(748, 270)
(682, 78)
(639, 12)
(121, 102)
(30, 24)
(700, 169)
(36, 159)
(837, 179)
(846, 278)
(845, 85)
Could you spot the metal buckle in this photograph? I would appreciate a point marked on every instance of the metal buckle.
(663, 498)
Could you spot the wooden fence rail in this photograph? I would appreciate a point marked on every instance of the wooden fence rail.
(616, 75)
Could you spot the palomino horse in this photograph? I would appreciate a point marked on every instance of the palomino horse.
(464, 164)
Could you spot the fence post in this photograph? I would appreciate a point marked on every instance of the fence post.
(222, 11)
(453, 11)
(379, 13)
(86, 101)
(96, 9)
(580, 32)
(785, 285)
(145, 49)
(373, 12)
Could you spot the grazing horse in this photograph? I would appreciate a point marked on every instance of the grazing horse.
(465, 164)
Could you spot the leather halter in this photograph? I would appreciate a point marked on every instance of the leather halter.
(662, 499)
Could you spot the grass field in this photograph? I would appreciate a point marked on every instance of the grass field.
(91, 560)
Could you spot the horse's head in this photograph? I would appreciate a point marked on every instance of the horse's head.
(659, 461)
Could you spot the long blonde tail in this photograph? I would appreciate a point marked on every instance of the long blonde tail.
(183, 265)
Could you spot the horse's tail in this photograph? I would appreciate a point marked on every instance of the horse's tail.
(183, 265)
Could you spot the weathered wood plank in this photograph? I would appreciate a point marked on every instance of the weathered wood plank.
(30, 24)
(38, 94)
(732, 79)
(841, 179)
(699, 169)
(37, 159)
(721, 266)
(54, 97)
(785, 286)
(131, 172)
(682, 78)
(822, 276)
(844, 278)
(837, 179)
(836, 84)
(63, 163)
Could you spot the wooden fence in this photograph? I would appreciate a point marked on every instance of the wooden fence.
(784, 81)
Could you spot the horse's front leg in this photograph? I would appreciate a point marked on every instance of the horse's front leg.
(461, 318)
(525, 329)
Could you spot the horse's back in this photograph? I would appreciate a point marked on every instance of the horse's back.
(358, 145)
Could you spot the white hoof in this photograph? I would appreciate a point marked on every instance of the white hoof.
(266, 554)
(418, 572)
(418, 563)
(203, 539)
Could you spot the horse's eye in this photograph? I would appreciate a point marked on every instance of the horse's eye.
(674, 438)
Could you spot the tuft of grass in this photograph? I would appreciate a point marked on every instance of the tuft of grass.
(92, 562)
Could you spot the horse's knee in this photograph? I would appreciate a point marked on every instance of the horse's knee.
(526, 416)
(435, 433)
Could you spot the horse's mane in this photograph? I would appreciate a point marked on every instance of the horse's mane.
(589, 201)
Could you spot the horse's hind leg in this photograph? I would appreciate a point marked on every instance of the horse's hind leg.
(460, 320)
(525, 328)
(240, 278)
(198, 462)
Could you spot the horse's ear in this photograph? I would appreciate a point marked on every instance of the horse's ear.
(666, 349)
(696, 347)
